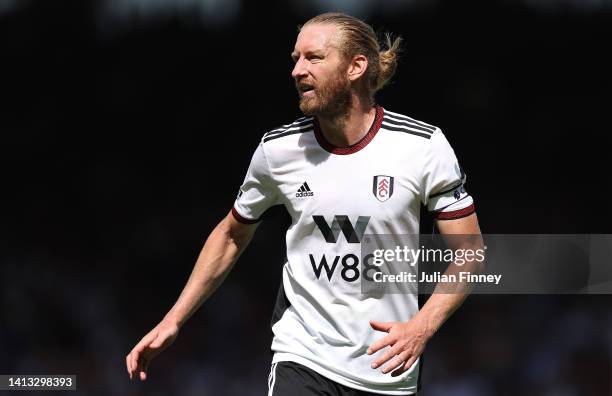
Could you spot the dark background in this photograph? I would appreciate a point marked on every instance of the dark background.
(127, 127)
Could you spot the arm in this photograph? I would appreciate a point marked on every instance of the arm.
(444, 302)
(221, 250)
(407, 340)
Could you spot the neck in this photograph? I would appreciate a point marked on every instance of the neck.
(350, 126)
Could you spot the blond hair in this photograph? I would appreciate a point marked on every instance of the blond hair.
(357, 37)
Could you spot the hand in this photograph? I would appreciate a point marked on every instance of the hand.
(406, 341)
(158, 339)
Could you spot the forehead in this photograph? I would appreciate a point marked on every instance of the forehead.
(317, 37)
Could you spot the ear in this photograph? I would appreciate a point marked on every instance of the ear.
(357, 67)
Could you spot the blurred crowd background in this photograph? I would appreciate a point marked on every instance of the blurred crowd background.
(127, 126)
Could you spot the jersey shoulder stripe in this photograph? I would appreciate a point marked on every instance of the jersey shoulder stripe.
(411, 125)
(301, 125)
(402, 117)
(299, 121)
(404, 128)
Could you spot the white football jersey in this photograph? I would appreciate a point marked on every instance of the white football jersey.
(335, 196)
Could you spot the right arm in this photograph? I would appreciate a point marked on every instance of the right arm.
(221, 250)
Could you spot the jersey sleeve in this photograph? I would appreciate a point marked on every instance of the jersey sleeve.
(443, 184)
(258, 192)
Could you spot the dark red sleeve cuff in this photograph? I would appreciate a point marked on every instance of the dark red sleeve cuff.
(455, 214)
(242, 219)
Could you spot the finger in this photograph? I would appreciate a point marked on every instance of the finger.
(131, 367)
(396, 362)
(381, 326)
(158, 342)
(152, 350)
(145, 342)
(383, 342)
(405, 367)
(142, 369)
(391, 352)
(130, 359)
(127, 365)
(146, 368)
(136, 362)
(134, 356)
(143, 375)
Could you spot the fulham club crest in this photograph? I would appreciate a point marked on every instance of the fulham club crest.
(383, 187)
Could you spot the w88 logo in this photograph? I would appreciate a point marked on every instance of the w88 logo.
(349, 262)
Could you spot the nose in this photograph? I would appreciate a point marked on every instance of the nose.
(299, 70)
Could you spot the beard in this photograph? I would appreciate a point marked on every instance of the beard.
(331, 98)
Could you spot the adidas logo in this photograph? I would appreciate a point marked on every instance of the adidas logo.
(304, 191)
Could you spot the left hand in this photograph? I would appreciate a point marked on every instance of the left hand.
(406, 341)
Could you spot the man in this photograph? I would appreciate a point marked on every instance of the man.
(349, 167)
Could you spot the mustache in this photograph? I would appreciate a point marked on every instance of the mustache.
(304, 85)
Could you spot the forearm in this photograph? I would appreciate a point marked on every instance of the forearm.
(438, 309)
(220, 252)
(463, 234)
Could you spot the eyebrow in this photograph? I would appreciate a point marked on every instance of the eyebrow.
(317, 52)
